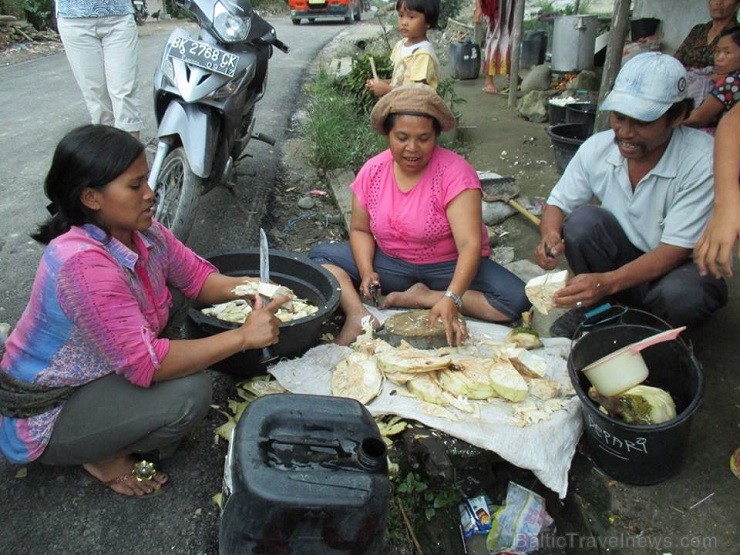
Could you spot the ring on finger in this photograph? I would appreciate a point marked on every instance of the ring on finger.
(579, 304)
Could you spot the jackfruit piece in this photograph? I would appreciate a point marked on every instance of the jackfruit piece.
(524, 336)
(426, 387)
(540, 290)
(528, 364)
(544, 388)
(410, 360)
(641, 405)
(507, 382)
(468, 377)
(356, 376)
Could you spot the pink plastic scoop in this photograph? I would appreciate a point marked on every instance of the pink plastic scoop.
(624, 368)
(669, 335)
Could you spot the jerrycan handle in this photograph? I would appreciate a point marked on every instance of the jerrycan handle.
(307, 442)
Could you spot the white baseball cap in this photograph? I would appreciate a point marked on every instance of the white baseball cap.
(646, 86)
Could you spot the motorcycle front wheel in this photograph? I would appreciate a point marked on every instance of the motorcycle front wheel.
(178, 194)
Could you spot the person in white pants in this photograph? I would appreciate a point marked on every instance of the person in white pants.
(101, 43)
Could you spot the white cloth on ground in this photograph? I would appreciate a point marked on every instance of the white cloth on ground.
(546, 448)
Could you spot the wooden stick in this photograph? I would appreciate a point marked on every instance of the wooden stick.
(410, 530)
(372, 66)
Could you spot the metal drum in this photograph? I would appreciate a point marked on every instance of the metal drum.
(573, 42)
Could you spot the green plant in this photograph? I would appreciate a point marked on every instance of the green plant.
(338, 129)
(446, 89)
(419, 498)
(38, 13)
(353, 83)
(448, 9)
(176, 11)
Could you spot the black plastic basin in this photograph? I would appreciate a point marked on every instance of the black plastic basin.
(307, 279)
(566, 139)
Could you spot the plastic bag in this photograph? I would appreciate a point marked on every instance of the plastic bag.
(517, 525)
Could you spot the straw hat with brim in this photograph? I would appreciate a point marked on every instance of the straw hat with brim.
(414, 100)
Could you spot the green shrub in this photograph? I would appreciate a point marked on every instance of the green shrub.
(353, 83)
(176, 11)
(339, 131)
(448, 9)
(37, 12)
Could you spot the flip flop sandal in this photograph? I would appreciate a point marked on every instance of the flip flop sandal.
(142, 471)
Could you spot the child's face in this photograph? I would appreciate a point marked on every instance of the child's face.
(412, 25)
(727, 56)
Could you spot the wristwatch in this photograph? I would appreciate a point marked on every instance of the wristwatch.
(455, 298)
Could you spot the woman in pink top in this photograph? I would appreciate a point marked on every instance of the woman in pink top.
(416, 231)
(85, 377)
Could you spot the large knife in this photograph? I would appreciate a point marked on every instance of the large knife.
(267, 354)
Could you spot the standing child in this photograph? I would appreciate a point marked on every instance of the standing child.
(413, 57)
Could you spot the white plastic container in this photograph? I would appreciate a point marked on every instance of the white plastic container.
(625, 368)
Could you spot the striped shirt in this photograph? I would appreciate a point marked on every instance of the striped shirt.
(96, 307)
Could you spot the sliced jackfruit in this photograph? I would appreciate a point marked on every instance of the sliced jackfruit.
(507, 382)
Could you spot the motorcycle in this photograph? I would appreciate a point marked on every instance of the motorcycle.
(140, 11)
(205, 92)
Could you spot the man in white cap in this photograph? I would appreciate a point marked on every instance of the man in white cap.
(653, 180)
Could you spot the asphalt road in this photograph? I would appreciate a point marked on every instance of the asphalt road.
(40, 102)
(63, 510)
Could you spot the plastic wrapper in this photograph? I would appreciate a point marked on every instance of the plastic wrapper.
(517, 525)
(475, 515)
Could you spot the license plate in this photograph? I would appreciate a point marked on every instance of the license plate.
(315, 3)
(203, 55)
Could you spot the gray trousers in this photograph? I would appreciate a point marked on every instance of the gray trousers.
(110, 415)
(595, 242)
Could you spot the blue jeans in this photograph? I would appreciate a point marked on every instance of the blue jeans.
(502, 289)
(595, 243)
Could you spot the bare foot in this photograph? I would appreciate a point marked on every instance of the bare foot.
(353, 327)
(416, 296)
(490, 89)
(116, 474)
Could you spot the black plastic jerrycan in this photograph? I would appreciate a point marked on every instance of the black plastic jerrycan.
(465, 59)
(305, 474)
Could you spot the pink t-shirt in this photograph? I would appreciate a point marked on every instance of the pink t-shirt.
(413, 226)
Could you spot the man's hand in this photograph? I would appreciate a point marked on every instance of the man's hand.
(582, 290)
(547, 251)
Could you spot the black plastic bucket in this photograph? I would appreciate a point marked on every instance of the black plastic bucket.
(556, 113)
(306, 278)
(639, 455)
(643, 28)
(465, 60)
(581, 112)
(533, 49)
(566, 139)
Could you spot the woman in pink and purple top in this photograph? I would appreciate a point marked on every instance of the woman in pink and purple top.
(416, 231)
(86, 378)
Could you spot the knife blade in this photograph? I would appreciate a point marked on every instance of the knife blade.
(267, 354)
(264, 258)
